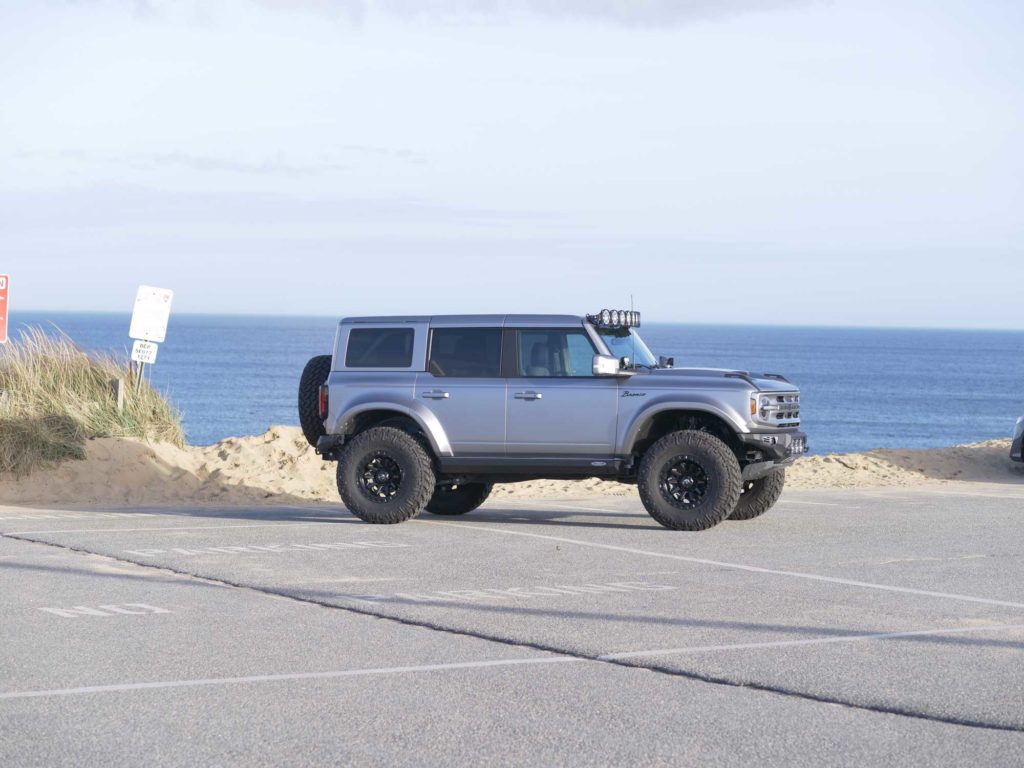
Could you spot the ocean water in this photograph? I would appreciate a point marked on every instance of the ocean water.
(861, 388)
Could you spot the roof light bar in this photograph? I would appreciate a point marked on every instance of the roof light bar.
(615, 318)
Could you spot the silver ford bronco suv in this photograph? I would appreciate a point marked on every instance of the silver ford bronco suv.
(430, 412)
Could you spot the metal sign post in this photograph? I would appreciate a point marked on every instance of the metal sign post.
(149, 326)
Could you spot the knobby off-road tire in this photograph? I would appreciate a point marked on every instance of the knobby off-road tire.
(459, 499)
(758, 496)
(385, 475)
(689, 481)
(313, 375)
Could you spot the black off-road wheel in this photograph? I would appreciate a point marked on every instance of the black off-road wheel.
(385, 476)
(758, 496)
(313, 375)
(689, 481)
(458, 499)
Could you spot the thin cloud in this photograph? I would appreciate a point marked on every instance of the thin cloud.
(277, 165)
(639, 12)
(652, 13)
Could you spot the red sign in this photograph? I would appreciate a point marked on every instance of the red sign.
(5, 283)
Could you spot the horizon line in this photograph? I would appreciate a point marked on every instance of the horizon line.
(12, 320)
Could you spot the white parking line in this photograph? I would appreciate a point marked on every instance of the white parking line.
(162, 528)
(106, 611)
(563, 505)
(814, 503)
(735, 566)
(972, 495)
(546, 659)
(809, 641)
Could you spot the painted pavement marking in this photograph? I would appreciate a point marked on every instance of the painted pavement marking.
(265, 548)
(106, 611)
(510, 593)
(531, 660)
(735, 566)
(168, 528)
(75, 515)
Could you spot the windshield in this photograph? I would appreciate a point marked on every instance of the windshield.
(627, 343)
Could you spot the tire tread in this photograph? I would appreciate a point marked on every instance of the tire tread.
(761, 497)
(313, 375)
(682, 442)
(423, 476)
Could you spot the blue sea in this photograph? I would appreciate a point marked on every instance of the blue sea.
(861, 388)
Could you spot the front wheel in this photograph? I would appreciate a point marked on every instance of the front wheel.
(758, 496)
(458, 499)
(689, 480)
(385, 475)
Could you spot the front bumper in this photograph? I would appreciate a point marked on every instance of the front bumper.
(768, 451)
(1017, 446)
(776, 446)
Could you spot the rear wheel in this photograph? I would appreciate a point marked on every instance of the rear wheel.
(385, 475)
(458, 499)
(689, 480)
(758, 496)
(313, 375)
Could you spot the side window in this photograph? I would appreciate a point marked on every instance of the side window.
(470, 352)
(555, 353)
(379, 348)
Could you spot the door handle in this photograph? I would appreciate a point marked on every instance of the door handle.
(436, 394)
(528, 395)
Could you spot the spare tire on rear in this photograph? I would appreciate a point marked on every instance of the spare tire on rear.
(313, 375)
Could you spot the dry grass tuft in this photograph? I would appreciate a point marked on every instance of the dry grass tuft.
(55, 397)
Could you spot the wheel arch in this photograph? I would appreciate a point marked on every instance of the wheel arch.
(366, 415)
(654, 424)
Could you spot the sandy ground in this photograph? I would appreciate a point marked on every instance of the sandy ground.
(279, 467)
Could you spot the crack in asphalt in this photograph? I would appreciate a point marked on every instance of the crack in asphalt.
(477, 635)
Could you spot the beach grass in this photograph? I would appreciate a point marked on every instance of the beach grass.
(55, 397)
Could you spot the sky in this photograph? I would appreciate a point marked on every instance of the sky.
(813, 162)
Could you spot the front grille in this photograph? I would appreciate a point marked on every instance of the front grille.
(781, 410)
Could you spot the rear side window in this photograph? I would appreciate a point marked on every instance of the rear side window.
(468, 352)
(379, 348)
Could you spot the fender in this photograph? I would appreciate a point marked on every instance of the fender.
(418, 412)
(710, 404)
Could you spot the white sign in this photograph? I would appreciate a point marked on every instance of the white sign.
(152, 310)
(144, 352)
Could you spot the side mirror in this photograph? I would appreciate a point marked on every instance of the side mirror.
(608, 365)
(666, 362)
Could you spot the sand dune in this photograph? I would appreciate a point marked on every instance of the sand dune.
(278, 467)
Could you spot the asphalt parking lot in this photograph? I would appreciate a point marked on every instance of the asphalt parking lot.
(844, 627)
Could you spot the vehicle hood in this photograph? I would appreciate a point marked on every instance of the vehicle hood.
(682, 377)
